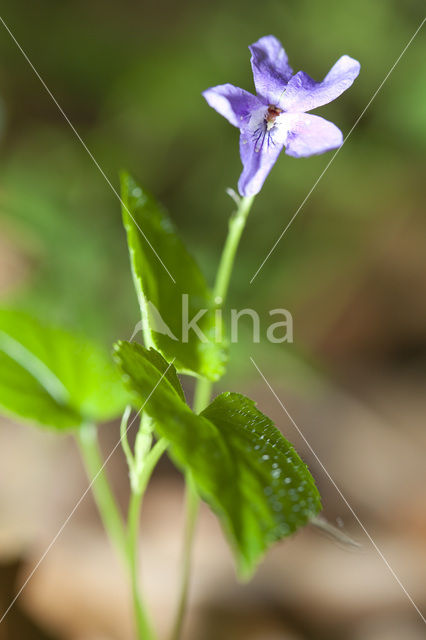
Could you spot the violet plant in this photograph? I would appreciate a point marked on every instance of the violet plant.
(232, 455)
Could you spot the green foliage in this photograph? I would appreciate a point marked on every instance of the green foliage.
(157, 258)
(273, 492)
(243, 467)
(169, 372)
(139, 105)
(53, 377)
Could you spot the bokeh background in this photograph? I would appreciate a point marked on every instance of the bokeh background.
(351, 269)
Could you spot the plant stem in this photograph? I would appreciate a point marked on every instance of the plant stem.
(192, 504)
(203, 389)
(202, 395)
(236, 226)
(124, 542)
(143, 627)
(105, 501)
(124, 439)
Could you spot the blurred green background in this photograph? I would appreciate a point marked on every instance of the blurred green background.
(130, 76)
(351, 269)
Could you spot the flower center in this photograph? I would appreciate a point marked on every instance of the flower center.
(271, 115)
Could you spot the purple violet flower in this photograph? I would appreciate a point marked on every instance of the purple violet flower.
(276, 117)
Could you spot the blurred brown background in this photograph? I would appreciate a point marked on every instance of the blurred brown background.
(351, 269)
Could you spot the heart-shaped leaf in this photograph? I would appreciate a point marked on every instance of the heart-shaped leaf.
(244, 468)
(170, 287)
(53, 377)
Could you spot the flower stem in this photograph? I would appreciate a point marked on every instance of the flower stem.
(202, 395)
(236, 226)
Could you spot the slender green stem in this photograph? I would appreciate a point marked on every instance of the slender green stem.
(151, 461)
(107, 506)
(143, 626)
(144, 630)
(124, 541)
(236, 226)
(124, 439)
(202, 395)
(191, 512)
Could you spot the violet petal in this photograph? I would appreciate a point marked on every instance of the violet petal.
(259, 150)
(271, 70)
(310, 135)
(235, 104)
(303, 93)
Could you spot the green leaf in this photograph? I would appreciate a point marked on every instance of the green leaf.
(244, 468)
(163, 273)
(169, 372)
(274, 489)
(53, 377)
